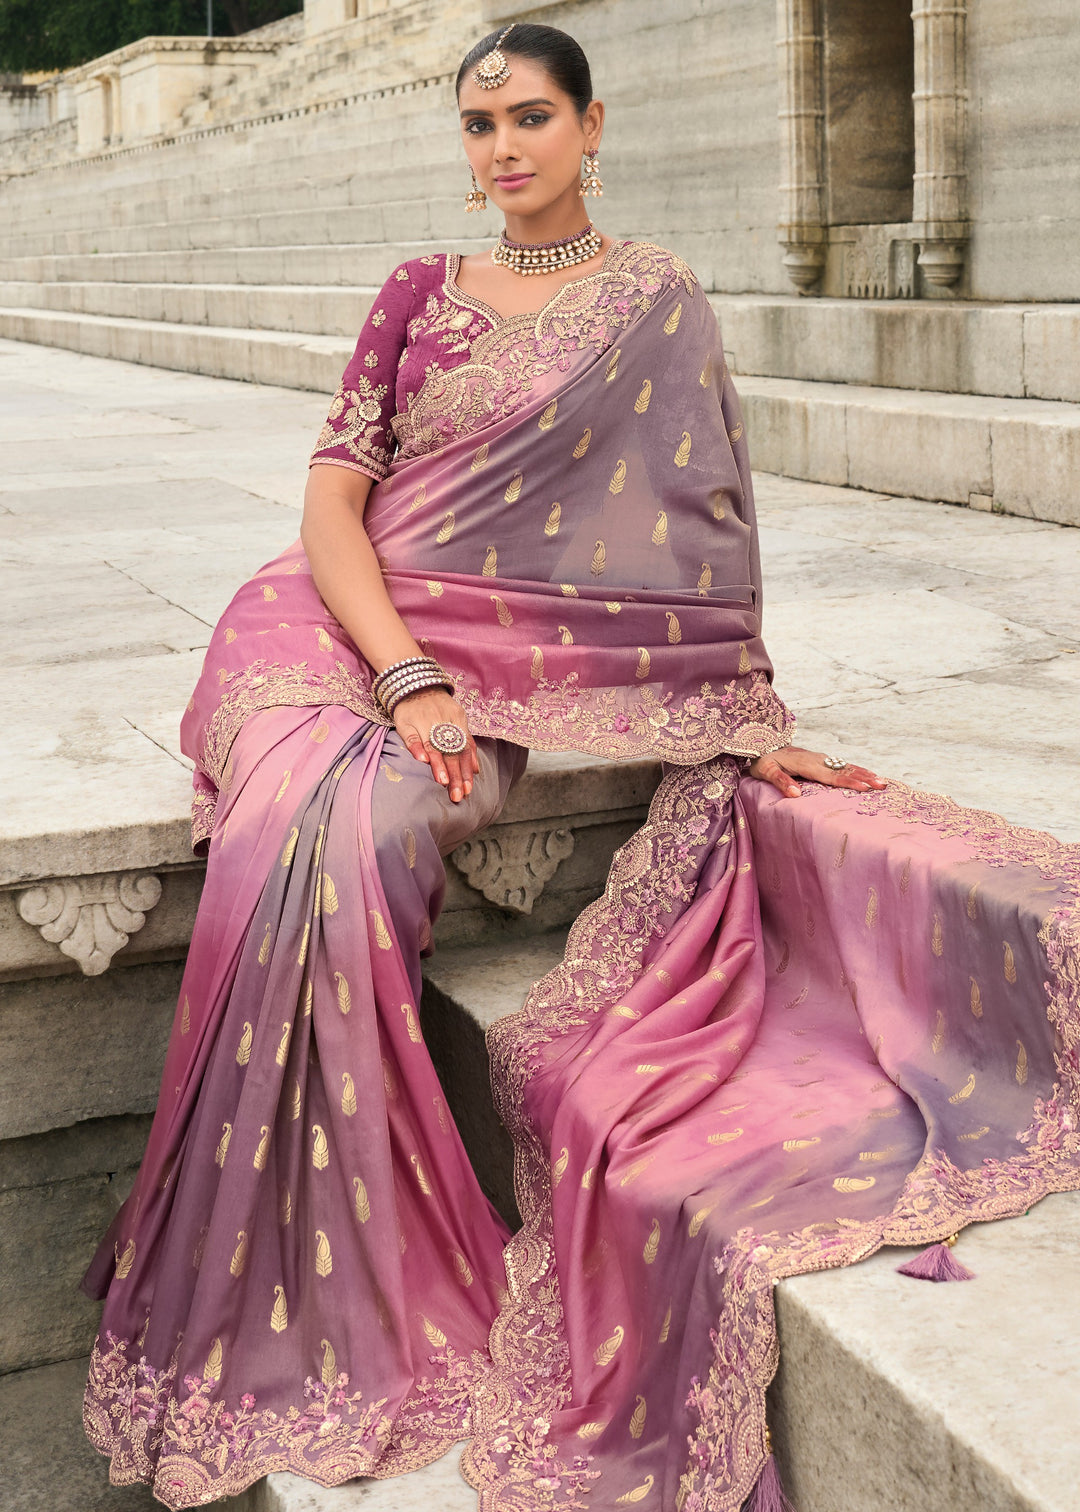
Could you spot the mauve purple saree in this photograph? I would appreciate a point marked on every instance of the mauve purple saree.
(789, 1031)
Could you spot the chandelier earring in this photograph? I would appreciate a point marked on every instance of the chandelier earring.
(476, 199)
(591, 182)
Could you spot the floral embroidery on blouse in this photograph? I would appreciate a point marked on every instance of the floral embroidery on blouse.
(355, 422)
(378, 317)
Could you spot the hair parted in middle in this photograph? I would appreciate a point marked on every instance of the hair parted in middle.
(556, 50)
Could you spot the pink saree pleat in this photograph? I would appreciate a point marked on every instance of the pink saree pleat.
(306, 1272)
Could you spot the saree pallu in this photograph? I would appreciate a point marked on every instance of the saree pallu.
(788, 1032)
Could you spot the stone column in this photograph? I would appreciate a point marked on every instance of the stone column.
(940, 199)
(802, 188)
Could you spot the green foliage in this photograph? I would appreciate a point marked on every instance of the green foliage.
(55, 34)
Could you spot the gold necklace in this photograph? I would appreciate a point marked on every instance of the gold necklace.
(546, 257)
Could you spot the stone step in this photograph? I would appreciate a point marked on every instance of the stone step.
(363, 263)
(329, 310)
(952, 346)
(1013, 456)
(892, 1393)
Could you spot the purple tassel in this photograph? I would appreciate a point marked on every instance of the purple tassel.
(937, 1264)
(768, 1493)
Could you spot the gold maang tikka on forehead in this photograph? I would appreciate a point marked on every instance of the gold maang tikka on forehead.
(493, 70)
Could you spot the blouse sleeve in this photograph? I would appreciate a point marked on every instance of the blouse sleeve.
(357, 432)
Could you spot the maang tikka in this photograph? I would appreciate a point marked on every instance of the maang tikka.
(493, 69)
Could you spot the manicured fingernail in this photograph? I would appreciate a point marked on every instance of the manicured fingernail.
(468, 787)
(455, 794)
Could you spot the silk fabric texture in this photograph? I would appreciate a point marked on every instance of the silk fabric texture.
(788, 1032)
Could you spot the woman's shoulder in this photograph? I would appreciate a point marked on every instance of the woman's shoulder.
(647, 259)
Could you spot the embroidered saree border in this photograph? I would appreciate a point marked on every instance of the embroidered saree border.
(528, 1343)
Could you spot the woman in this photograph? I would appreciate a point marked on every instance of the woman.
(786, 1034)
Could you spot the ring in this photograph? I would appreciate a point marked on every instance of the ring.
(836, 763)
(448, 738)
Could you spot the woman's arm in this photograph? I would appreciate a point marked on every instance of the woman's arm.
(347, 574)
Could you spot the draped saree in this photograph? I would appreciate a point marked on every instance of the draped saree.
(788, 1032)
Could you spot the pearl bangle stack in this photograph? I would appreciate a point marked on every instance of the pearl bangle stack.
(414, 674)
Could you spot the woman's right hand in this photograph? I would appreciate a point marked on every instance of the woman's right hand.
(413, 719)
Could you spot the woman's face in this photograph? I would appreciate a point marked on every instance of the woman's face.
(526, 133)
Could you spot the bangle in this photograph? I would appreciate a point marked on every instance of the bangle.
(415, 674)
(407, 664)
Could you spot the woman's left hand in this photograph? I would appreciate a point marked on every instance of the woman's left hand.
(780, 767)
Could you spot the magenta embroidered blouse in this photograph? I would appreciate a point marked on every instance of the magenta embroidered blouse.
(420, 323)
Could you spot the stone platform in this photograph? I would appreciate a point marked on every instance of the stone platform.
(938, 644)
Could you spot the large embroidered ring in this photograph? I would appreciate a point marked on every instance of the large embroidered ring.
(448, 738)
(836, 763)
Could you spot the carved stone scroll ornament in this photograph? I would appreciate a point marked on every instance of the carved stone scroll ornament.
(90, 918)
(512, 864)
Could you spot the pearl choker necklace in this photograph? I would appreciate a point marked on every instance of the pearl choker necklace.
(546, 257)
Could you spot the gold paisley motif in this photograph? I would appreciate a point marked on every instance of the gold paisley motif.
(558, 1170)
(725, 1138)
(320, 1150)
(674, 629)
(480, 457)
(590, 1431)
(696, 1222)
(644, 663)
(606, 1352)
(652, 1247)
(536, 666)
(854, 1183)
(660, 529)
(965, 1091)
(264, 948)
(870, 918)
(551, 524)
(411, 1023)
(682, 451)
(937, 937)
(344, 996)
(410, 849)
(671, 324)
(279, 1313)
(324, 1260)
(733, 435)
(223, 1145)
(461, 1268)
(975, 1134)
(243, 1049)
(363, 1205)
(329, 1364)
(282, 1054)
(841, 854)
(976, 998)
(1009, 963)
(382, 934)
(938, 1038)
(568, 589)
(491, 563)
(618, 478)
(302, 956)
(718, 510)
(636, 1169)
(419, 498)
(1021, 1063)
(446, 529)
(641, 403)
(583, 445)
(705, 377)
(258, 1160)
(637, 1418)
(512, 491)
(502, 612)
(348, 1095)
(329, 894)
(269, 594)
(801, 1144)
(421, 1176)
(325, 643)
(612, 365)
(704, 582)
(185, 1017)
(566, 635)
(124, 1261)
(320, 732)
(972, 903)
(665, 1327)
(435, 1334)
(745, 663)
(285, 1207)
(639, 1493)
(230, 636)
(547, 419)
(239, 1256)
(290, 847)
(435, 588)
(212, 1368)
(599, 559)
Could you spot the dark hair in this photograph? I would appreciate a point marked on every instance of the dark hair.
(555, 49)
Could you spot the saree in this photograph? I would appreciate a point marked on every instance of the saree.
(788, 1032)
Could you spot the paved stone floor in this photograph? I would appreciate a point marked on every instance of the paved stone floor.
(934, 643)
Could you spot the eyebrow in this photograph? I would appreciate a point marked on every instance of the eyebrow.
(510, 108)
